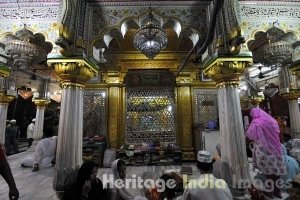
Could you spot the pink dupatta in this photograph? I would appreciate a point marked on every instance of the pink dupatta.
(265, 130)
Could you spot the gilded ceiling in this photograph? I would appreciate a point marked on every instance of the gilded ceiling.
(104, 19)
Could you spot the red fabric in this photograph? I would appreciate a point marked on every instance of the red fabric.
(2, 156)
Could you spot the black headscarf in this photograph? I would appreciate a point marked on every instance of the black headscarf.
(84, 173)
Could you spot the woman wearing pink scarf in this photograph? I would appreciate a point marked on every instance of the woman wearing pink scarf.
(267, 154)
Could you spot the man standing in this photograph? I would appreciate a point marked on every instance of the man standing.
(12, 131)
(30, 130)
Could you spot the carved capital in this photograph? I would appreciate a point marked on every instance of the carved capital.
(113, 78)
(186, 78)
(292, 95)
(226, 71)
(256, 100)
(73, 70)
(5, 99)
(41, 102)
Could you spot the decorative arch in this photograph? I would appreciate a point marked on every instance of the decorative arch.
(255, 34)
(39, 34)
(192, 34)
(129, 23)
(173, 24)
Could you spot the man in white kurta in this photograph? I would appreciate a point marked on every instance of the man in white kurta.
(30, 130)
(206, 187)
(44, 153)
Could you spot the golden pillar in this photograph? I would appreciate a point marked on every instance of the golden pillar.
(226, 72)
(116, 109)
(185, 118)
(72, 75)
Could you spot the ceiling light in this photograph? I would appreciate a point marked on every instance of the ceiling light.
(151, 38)
(27, 48)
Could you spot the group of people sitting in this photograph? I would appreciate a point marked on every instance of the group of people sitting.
(88, 186)
(270, 160)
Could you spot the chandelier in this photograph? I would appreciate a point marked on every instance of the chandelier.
(273, 47)
(151, 38)
(27, 48)
(273, 53)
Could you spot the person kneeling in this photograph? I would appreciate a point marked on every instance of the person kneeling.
(44, 153)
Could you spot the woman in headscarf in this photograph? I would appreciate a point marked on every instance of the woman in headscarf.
(119, 172)
(292, 166)
(267, 154)
(87, 185)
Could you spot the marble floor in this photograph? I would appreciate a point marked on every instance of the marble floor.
(38, 185)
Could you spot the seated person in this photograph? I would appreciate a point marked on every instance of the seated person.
(199, 189)
(119, 172)
(87, 186)
(292, 166)
(44, 153)
(171, 193)
(294, 191)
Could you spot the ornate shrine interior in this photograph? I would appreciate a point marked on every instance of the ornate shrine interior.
(103, 33)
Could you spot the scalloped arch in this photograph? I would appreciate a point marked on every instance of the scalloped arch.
(109, 34)
(128, 23)
(174, 24)
(255, 33)
(192, 34)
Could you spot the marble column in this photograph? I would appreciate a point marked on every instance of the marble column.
(293, 111)
(39, 118)
(4, 101)
(226, 72)
(73, 74)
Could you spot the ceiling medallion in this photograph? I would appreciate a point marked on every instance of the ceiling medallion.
(151, 38)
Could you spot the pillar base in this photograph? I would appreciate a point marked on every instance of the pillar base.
(188, 155)
(64, 179)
